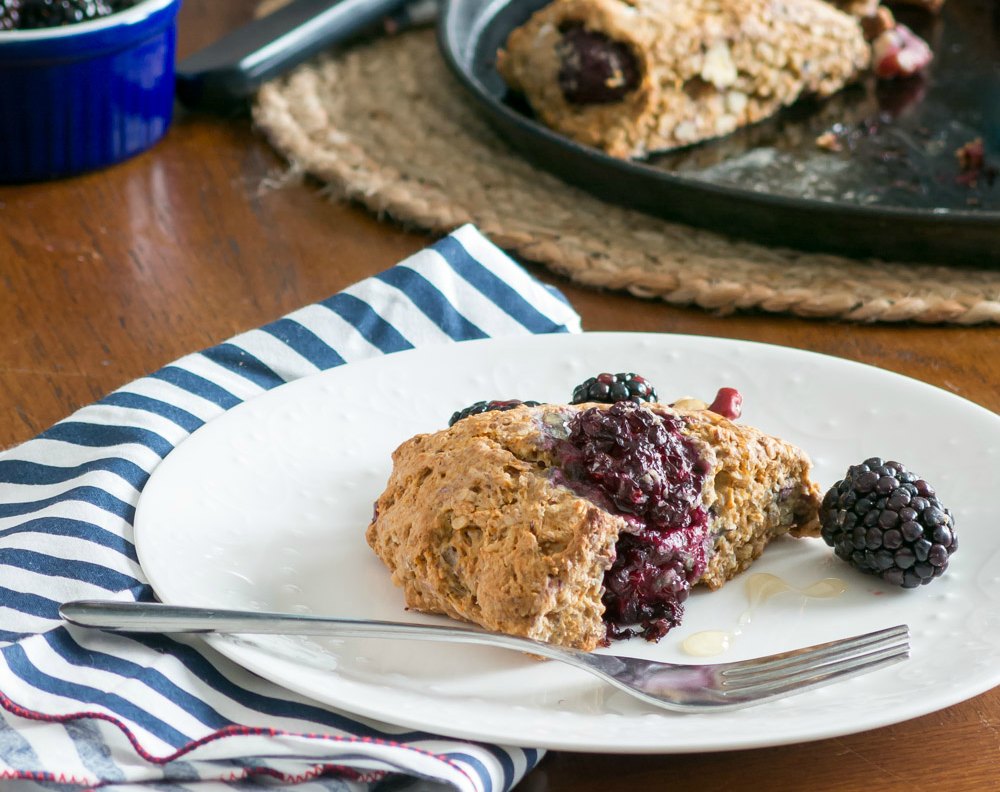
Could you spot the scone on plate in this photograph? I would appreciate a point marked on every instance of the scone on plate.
(577, 524)
(633, 77)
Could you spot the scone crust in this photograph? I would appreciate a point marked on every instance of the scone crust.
(471, 527)
(706, 67)
(762, 490)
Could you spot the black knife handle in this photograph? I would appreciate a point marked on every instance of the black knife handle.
(233, 67)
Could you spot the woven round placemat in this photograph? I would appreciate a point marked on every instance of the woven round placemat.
(387, 125)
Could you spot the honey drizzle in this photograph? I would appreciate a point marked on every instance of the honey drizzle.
(760, 588)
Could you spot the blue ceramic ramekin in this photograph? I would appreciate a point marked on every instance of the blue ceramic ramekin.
(83, 96)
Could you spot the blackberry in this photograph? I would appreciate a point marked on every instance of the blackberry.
(488, 406)
(610, 388)
(53, 13)
(10, 14)
(884, 520)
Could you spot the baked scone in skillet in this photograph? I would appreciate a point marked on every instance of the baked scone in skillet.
(577, 524)
(633, 77)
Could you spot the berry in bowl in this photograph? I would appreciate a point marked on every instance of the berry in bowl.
(83, 83)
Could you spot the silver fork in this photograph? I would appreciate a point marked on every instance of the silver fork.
(682, 688)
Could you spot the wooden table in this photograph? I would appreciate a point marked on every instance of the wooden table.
(107, 277)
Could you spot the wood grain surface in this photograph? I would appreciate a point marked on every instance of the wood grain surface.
(108, 276)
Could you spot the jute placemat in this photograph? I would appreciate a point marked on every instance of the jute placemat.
(387, 125)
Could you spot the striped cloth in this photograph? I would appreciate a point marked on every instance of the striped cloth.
(89, 708)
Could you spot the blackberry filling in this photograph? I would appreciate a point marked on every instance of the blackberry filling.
(639, 464)
(593, 68)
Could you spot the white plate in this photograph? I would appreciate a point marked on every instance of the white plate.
(266, 508)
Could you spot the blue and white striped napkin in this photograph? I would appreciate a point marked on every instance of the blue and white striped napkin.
(87, 708)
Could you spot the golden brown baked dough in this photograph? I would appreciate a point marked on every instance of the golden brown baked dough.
(479, 523)
(705, 67)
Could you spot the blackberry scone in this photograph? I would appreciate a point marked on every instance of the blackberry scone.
(578, 524)
(633, 77)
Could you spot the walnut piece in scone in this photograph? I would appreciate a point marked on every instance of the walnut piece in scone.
(573, 524)
(634, 77)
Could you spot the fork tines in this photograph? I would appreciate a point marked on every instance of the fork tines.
(816, 665)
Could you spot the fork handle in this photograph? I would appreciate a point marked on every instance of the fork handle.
(233, 67)
(154, 617)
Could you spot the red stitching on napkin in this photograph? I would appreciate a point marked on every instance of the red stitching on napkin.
(43, 777)
(320, 769)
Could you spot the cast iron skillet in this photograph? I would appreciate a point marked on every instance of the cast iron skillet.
(896, 192)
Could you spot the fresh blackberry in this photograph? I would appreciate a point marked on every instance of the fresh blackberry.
(884, 520)
(610, 388)
(488, 406)
(10, 14)
(53, 13)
